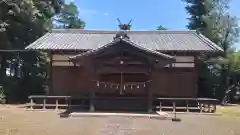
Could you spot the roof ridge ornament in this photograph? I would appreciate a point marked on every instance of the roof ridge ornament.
(122, 34)
(124, 26)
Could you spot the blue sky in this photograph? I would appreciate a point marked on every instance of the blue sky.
(146, 14)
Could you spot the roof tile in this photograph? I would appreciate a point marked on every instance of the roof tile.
(75, 39)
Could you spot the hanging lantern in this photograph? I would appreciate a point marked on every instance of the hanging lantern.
(144, 85)
(138, 86)
(105, 85)
(131, 86)
(124, 87)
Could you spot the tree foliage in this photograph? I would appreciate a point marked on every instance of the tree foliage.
(212, 19)
(160, 27)
(21, 23)
(69, 17)
(197, 9)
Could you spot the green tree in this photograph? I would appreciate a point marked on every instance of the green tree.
(212, 19)
(69, 17)
(21, 23)
(223, 29)
(160, 27)
(197, 9)
(231, 66)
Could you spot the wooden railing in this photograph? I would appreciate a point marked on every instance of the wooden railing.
(159, 104)
(188, 104)
(42, 102)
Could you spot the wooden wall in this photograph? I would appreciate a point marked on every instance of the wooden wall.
(70, 80)
(165, 82)
(180, 80)
(181, 61)
(174, 83)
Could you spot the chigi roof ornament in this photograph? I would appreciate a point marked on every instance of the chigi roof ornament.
(123, 28)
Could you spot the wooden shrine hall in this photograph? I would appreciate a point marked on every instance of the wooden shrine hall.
(123, 70)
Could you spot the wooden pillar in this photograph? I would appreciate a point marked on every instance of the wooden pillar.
(150, 97)
(160, 105)
(56, 104)
(69, 104)
(92, 91)
(92, 100)
(196, 72)
(50, 81)
(214, 108)
(44, 103)
(208, 107)
(187, 106)
(174, 107)
(75, 75)
(31, 103)
(200, 106)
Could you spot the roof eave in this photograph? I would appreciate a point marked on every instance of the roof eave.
(70, 49)
(156, 53)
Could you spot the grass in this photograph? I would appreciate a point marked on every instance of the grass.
(229, 110)
(18, 121)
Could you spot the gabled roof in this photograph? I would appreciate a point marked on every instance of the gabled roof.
(76, 39)
(128, 43)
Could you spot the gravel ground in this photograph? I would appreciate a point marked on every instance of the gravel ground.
(17, 121)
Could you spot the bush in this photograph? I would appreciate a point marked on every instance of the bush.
(2, 96)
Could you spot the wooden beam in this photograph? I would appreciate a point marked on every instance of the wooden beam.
(184, 59)
(61, 56)
(114, 69)
(187, 65)
(63, 63)
(180, 53)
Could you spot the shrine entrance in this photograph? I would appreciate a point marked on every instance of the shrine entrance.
(122, 92)
(121, 84)
(123, 73)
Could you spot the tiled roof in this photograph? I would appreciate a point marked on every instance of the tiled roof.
(76, 39)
